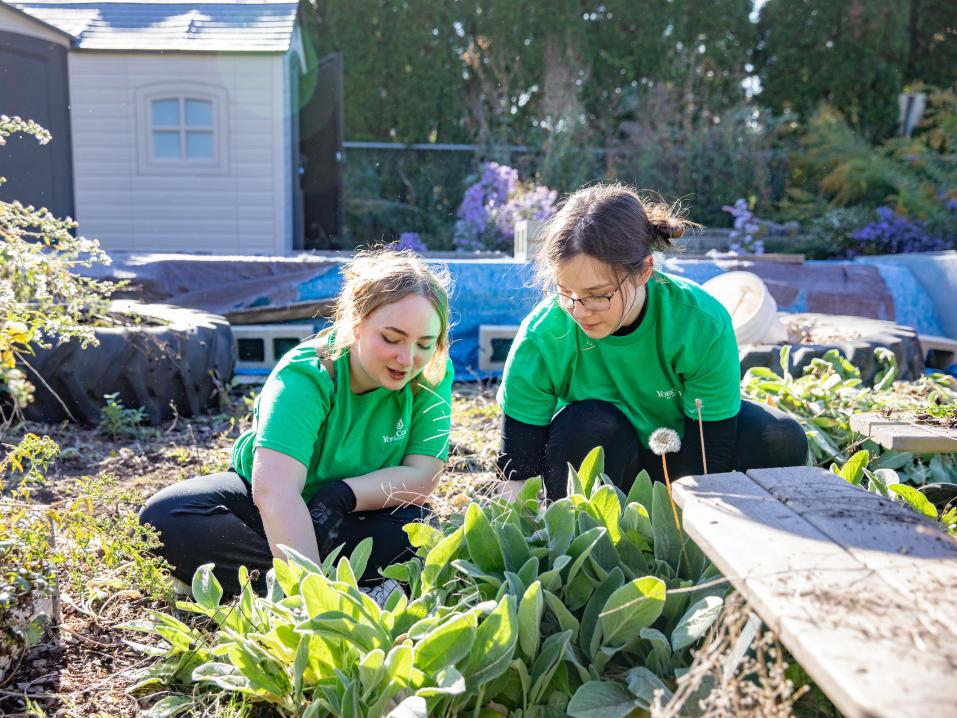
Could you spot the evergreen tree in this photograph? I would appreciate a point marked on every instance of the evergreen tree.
(848, 53)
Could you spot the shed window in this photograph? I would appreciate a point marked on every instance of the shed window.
(182, 128)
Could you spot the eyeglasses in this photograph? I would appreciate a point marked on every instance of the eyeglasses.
(594, 302)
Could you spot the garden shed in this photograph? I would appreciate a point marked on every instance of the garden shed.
(176, 127)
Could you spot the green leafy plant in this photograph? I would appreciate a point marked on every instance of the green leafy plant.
(915, 176)
(830, 391)
(117, 420)
(41, 296)
(886, 482)
(586, 606)
(26, 580)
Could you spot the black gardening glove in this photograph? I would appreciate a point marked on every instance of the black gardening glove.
(328, 508)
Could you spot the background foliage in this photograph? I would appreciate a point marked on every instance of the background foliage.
(702, 99)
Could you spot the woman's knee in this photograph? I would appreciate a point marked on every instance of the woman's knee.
(590, 420)
(158, 509)
(770, 436)
(579, 428)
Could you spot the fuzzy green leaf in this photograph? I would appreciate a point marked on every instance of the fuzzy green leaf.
(589, 638)
(547, 663)
(560, 525)
(695, 622)
(494, 644)
(440, 557)
(853, 469)
(360, 556)
(530, 611)
(632, 607)
(411, 707)
(514, 546)
(601, 699)
(591, 469)
(606, 508)
(644, 684)
(207, 590)
(422, 535)
(915, 499)
(483, 545)
(566, 619)
(169, 707)
(641, 490)
(667, 539)
(446, 644)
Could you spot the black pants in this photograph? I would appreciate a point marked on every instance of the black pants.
(765, 437)
(212, 519)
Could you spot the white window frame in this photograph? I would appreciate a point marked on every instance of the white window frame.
(182, 91)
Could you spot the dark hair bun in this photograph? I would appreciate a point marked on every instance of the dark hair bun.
(667, 231)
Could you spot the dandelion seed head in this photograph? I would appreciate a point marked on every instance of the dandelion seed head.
(664, 441)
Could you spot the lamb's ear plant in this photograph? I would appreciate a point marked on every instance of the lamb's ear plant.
(583, 606)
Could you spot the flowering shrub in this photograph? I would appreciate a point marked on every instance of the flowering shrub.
(40, 296)
(409, 241)
(892, 233)
(745, 237)
(491, 207)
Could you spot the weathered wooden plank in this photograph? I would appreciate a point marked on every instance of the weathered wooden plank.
(847, 627)
(902, 435)
(906, 550)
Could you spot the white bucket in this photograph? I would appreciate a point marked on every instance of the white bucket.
(754, 313)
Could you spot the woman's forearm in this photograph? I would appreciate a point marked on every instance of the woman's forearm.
(287, 521)
(394, 486)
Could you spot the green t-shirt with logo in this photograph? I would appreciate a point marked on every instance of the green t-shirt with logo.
(683, 349)
(305, 413)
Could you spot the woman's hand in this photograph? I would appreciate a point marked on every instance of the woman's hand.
(330, 505)
(278, 481)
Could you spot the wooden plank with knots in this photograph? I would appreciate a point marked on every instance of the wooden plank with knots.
(848, 627)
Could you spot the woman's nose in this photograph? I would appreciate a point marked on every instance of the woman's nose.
(404, 356)
(578, 310)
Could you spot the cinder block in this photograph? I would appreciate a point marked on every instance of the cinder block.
(495, 340)
(260, 346)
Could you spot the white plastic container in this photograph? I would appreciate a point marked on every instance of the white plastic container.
(754, 313)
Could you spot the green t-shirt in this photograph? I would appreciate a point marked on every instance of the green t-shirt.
(306, 414)
(683, 349)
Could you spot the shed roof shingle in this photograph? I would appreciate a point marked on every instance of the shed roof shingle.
(261, 26)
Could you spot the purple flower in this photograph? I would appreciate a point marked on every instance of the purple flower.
(746, 229)
(492, 205)
(893, 233)
(409, 241)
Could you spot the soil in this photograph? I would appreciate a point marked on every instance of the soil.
(804, 331)
(945, 420)
(83, 667)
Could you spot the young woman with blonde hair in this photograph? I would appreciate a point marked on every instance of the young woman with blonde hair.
(618, 349)
(349, 435)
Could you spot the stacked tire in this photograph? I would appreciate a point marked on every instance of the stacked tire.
(162, 358)
(873, 333)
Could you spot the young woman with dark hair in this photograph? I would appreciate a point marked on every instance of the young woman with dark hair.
(349, 435)
(618, 349)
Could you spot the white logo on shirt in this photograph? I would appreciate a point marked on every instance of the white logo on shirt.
(400, 432)
(667, 393)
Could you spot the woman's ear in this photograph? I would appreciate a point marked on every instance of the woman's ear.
(648, 266)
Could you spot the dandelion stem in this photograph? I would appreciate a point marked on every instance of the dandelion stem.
(704, 459)
(674, 510)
